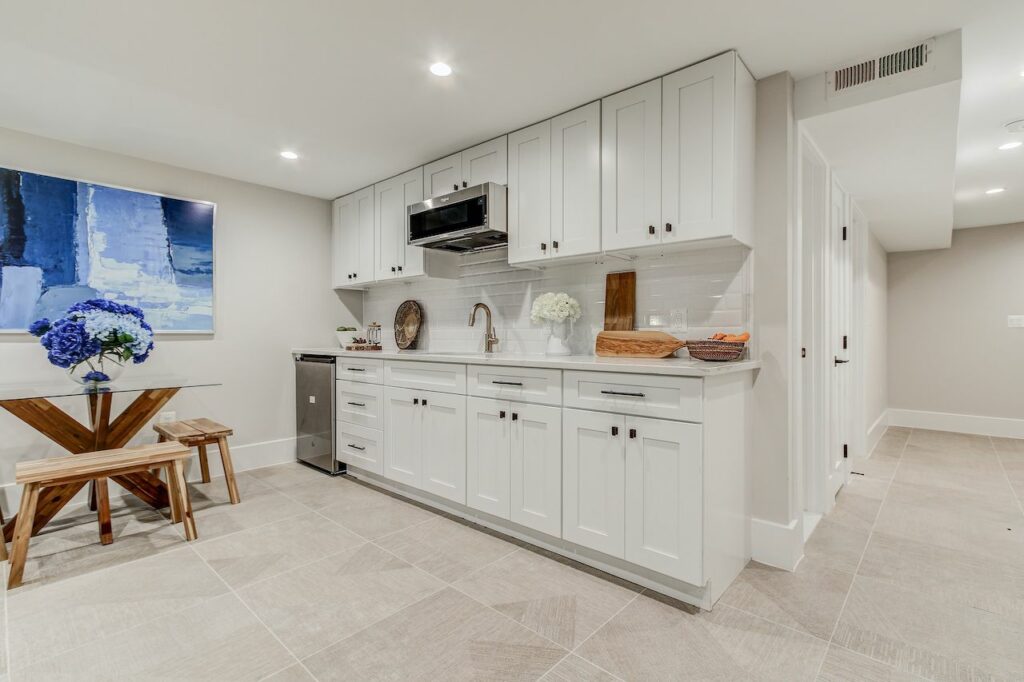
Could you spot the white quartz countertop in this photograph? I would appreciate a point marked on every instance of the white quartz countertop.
(683, 367)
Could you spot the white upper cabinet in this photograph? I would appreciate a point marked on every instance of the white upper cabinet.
(394, 259)
(487, 162)
(631, 167)
(677, 166)
(554, 188)
(529, 193)
(576, 182)
(700, 169)
(352, 241)
(443, 176)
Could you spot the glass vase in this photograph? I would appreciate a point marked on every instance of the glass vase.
(97, 371)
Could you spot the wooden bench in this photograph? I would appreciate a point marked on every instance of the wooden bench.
(58, 471)
(199, 433)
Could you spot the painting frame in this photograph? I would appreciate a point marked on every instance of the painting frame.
(212, 331)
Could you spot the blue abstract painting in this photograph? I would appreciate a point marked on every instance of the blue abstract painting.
(64, 241)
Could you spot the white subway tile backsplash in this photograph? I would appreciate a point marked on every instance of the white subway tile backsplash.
(691, 294)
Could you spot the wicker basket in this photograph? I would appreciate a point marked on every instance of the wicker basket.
(716, 351)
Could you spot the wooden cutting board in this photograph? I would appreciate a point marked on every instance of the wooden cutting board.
(637, 344)
(620, 301)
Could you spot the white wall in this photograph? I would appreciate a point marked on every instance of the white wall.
(689, 294)
(272, 293)
(953, 362)
(875, 339)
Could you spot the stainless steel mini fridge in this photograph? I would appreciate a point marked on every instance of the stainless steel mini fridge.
(314, 412)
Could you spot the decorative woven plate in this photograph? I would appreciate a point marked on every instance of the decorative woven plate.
(408, 319)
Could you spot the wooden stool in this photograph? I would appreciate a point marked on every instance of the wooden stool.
(57, 471)
(199, 433)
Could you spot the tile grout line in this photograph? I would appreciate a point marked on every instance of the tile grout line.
(572, 652)
(856, 571)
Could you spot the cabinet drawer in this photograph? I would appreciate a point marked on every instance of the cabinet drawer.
(645, 395)
(366, 370)
(360, 404)
(525, 384)
(361, 447)
(428, 376)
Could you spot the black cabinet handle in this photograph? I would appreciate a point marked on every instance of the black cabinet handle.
(615, 430)
(631, 395)
(354, 275)
(501, 414)
(392, 268)
(668, 227)
(355, 447)
(464, 184)
(543, 246)
(515, 416)
(650, 229)
(415, 401)
(838, 362)
(399, 268)
(357, 404)
(356, 369)
(349, 276)
(632, 433)
(424, 402)
(554, 245)
(455, 186)
(507, 383)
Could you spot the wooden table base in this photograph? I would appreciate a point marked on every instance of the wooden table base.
(66, 431)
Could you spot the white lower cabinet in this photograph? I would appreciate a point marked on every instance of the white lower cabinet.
(425, 441)
(593, 480)
(488, 434)
(361, 447)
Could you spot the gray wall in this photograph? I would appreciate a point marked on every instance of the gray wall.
(876, 373)
(272, 293)
(949, 346)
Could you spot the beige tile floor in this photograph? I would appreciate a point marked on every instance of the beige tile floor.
(917, 574)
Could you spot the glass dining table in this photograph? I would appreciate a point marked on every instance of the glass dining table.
(32, 403)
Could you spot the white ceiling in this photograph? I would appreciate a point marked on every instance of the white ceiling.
(896, 157)
(992, 95)
(223, 86)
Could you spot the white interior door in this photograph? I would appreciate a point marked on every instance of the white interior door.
(841, 285)
(487, 455)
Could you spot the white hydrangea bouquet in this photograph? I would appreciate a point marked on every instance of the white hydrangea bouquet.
(559, 311)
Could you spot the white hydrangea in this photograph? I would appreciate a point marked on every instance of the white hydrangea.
(552, 307)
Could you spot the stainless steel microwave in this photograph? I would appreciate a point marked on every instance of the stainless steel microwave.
(467, 220)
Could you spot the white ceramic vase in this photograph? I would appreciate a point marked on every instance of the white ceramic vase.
(558, 338)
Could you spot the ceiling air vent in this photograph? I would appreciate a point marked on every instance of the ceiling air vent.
(889, 65)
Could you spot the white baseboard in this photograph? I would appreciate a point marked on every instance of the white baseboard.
(1001, 427)
(243, 457)
(876, 431)
(775, 544)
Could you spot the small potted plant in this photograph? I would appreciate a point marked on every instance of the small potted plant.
(95, 340)
(559, 311)
(346, 335)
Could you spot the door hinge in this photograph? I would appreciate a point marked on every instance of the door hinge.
(844, 233)
(846, 451)
(845, 341)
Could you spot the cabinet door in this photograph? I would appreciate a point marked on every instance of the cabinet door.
(698, 163)
(576, 182)
(393, 257)
(529, 193)
(663, 497)
(364, 270)
(593, 480)
(403, 421)
(536, 467)
(344, 241)
(487, 162)
(360, 447)
(488, 423)
(443, 176)
(631, 167)
(443, 445)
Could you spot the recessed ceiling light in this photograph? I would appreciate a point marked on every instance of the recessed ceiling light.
(440, 69)
(1010, 145)
(288, 154)
(995, 190)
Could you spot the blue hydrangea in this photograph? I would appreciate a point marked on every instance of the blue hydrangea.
(96, 376)
(39, 327)
(69, 343)
(96, 327)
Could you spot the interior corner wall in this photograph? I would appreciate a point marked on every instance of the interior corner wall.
(954, 363)
(772, 467)
(272, 293)
(875, 339)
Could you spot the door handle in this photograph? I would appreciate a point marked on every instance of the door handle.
(554, 245)
(455, 186)
(650, 229)
(632, 433)
(357, 404)
(424, 402)
(515, 416)
(631, 395)
(501, 414)
(355, 447)
(415, 401)
(837, 361)
(615, 430)
(668, 227)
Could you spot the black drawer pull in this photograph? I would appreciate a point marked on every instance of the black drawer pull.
(507, 383)
(415, 401)
(650, 229)
(501, 414)
(424, 402)
(632, 433)
(631, 395)
(515, 416)
(357, 404)
(355, 447)
(356, 369)
(615, 430)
